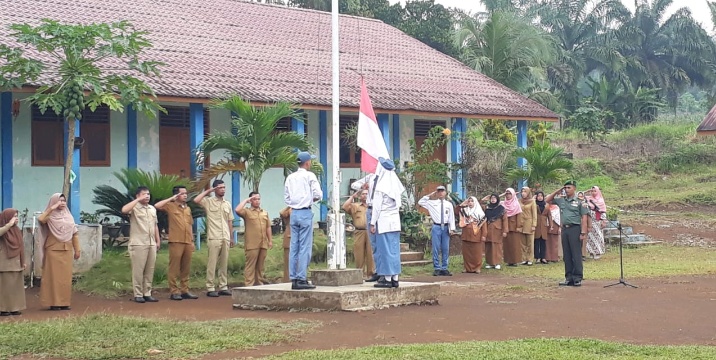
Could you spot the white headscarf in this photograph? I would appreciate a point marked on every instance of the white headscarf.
(389, 184)
(475, 211)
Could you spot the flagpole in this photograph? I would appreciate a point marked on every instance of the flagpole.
(336, 257)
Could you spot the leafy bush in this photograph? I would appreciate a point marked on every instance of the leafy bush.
(485, 163)
(590, 121)
(160, 187)
(585, 168)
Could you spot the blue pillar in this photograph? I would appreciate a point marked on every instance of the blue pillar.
(297, 124)
(522, 143)
(395, 144)
(6, 145)
(196, 136)
(74, 198)
(323, 157)
(384, 125)
(131, 137)
(235, 181)
(459, 127)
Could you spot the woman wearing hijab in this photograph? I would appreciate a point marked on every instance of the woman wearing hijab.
(597, 215)
(474, 232)
(542, 230)
(496, 218)
(528, 226)
(59, 244)
(12, 265)
(554, 238)
(512, 246)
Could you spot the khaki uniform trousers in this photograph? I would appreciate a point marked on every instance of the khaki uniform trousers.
(363, 252)
(179, 266)
(218, 256)
(143, 258)
(254, 268)
(286, 252)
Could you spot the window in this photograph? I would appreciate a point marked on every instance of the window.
(48, 138)
(349, 154)
(178, 116)
(284, 125)
(423, 127)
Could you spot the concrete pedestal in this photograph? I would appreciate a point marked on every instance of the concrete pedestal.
(346, 298)
(341, 277)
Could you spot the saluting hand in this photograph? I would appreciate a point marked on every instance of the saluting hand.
(14, 221)
(55, 206)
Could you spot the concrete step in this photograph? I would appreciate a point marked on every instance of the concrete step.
(404, 247)
(411, 256)
(626, 230)
(632, 238)
(416, 263)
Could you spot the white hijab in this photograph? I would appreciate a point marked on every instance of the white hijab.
(475, 211)
(389, 184)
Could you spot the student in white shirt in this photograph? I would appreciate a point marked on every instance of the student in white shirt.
(443, 215)
(385, 224)
(301, 190)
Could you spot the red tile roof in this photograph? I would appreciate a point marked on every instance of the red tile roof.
(270, 53)
(708, 125)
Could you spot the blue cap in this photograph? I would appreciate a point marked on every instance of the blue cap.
(387, 164)
(304, 156)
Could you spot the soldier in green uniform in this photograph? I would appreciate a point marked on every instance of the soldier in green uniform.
(574, 214)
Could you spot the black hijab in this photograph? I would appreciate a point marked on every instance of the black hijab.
(494, 211)
(542, 203)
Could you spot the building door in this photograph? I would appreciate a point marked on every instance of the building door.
(174, 149)
(422, 127)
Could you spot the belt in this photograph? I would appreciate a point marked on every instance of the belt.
(304, 208)
(360, 229)
(436, 224)
(567, 226)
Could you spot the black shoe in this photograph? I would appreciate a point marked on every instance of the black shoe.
(302, 285)
(445, 273)
(373, 278)
(4, 313)
(54, 308)
(511, 264)
(189, 296)
(212, 294)
(577, 283)
(394, 283)
(176, 297)
(139, 299)
(15, 313)
(66, 308)
(224, 293)
(383, 284)
(566, 283)
(150, 299)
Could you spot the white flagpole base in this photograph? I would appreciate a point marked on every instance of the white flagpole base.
(336, 242)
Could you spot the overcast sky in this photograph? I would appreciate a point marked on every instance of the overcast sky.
(699, 8)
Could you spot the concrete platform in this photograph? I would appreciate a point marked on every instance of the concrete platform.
(346, 298)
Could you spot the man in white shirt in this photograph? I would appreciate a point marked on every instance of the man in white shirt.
(385, 223)
(443, 216)
(301, 190)
(367, 183)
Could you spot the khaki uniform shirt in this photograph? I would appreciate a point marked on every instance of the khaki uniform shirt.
(286, 216)
(358, 213)
(143, 223)
(180, 223)
(571, 210)
(218, 215)
(256, 220)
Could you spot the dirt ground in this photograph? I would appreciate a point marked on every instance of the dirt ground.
(490, 306)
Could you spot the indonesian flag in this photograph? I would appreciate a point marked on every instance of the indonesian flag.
(369, 138)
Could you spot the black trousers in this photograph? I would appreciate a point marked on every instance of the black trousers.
(572, 249)
(540, 248)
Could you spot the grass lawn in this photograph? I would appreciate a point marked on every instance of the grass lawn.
(533, 349)
(103, 336)
(648, 261)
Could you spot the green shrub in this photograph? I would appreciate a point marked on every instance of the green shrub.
(604, 182)
(585, 168)
(686, 155)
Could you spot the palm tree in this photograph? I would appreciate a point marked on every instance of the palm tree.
(255, 146)
(506, 47)
(670, 54)
(545, 163)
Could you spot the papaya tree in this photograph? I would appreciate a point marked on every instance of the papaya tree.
(75, 66)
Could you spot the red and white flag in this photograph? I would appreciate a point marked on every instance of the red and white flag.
(369, 138)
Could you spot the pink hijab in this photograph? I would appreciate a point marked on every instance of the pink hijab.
(60, 223)
(512, 206)
(598, 199)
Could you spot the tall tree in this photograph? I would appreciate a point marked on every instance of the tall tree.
(80, 66)
(256, 145)
(670, 54)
